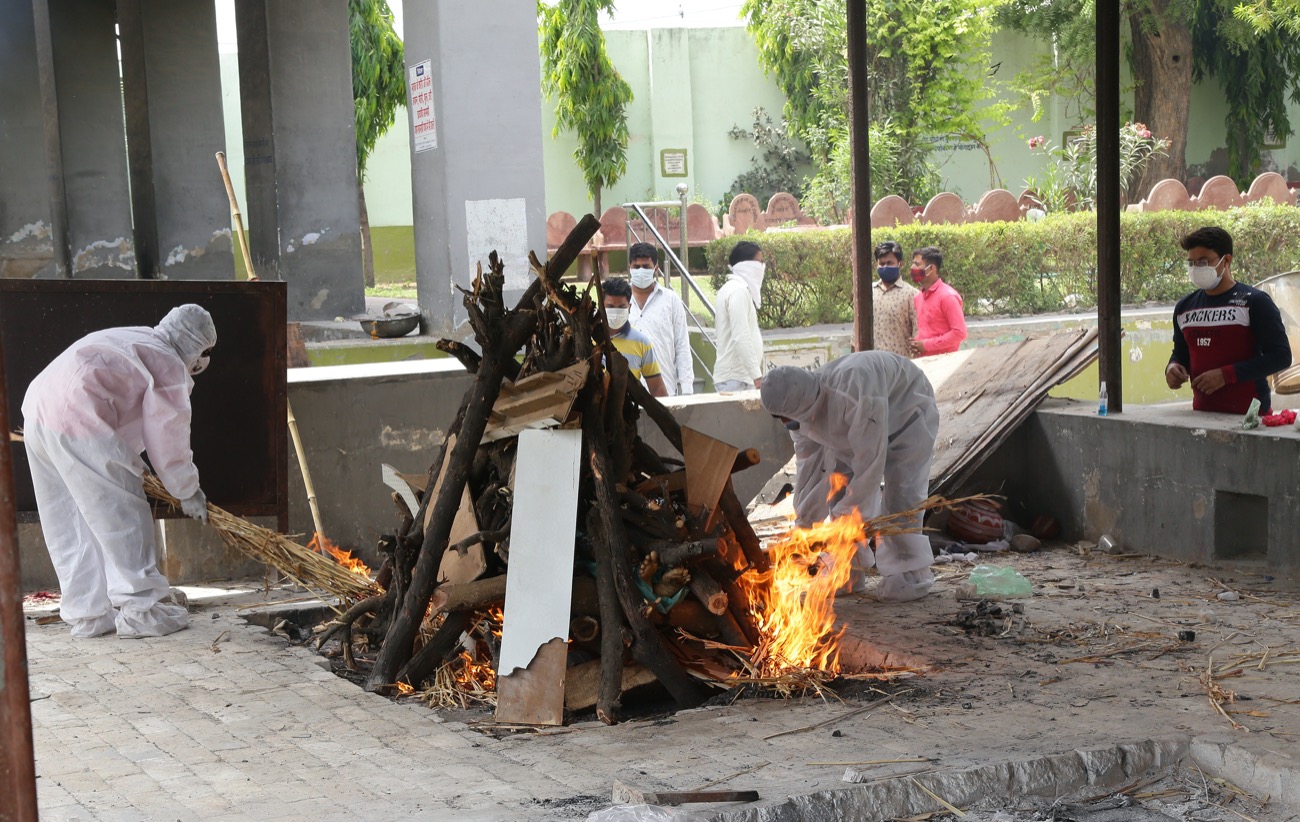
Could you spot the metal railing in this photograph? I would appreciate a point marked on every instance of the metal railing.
(637, 212)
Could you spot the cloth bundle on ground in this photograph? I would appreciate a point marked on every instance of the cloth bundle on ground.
(88, 417)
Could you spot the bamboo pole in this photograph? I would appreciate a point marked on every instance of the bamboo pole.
(252, 276)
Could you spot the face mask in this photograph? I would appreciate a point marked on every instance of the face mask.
(1205, 277)
(200, 365)
(918, 274)
(642, 277)
(792, 425)
(888, 273)
(617, 318)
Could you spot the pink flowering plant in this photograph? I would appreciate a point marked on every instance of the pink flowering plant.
(1069, 181)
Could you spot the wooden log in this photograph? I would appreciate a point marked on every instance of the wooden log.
(484, 593)
(582, 683)
(609, 696)
(440, 647)
(707, 590)
(468, 357)
(672, 554)
(690, 616)
(728, 503)
(738, 606)
(584, 628)
(746, 459)
(731, 632)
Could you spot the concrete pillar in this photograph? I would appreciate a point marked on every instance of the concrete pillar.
(474, 100)
(91, 138)
(26, 225)
(671, 112)
(300, 169)
(171, 77)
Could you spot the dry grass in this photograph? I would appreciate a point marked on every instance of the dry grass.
(306, 567)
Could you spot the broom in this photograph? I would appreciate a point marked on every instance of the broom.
(304, 566)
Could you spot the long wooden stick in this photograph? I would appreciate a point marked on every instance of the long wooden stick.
(236, 216)
(252, 276)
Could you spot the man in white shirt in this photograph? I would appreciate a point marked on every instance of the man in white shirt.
(660, 314)
(740, 342)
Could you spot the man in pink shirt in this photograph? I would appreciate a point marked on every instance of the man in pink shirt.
(940, 324)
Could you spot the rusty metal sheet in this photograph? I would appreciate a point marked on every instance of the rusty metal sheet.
(239, 437)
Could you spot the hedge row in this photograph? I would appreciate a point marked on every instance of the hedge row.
(1015, 268)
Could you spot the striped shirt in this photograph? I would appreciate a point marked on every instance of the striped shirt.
(638, 351)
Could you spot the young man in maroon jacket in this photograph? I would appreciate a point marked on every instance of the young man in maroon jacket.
(1228, 337)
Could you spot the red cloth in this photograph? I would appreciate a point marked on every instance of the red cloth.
(1280, 418)
(940, 324)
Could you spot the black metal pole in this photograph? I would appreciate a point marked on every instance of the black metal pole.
(17, 761)
(859, 119)
(1109, 323)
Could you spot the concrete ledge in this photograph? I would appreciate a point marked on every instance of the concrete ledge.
(1160, 479)
(901, 797)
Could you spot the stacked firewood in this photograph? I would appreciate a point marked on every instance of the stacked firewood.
(655, 568)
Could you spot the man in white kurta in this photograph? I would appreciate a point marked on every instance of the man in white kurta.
(660, 314)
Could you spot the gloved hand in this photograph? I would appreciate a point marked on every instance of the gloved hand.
(196, 507)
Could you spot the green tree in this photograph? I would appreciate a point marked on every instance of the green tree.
(378, 88)
(1265, 15)
(927, 61)
(1174, 43)
(591, 98)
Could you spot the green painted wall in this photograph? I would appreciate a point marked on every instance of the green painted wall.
(691, 86)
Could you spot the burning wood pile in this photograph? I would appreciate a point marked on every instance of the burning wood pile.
(647, 560)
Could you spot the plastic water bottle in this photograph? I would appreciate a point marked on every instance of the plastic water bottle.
(1101, 401)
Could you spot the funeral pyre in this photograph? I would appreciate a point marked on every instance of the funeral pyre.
(670, 582)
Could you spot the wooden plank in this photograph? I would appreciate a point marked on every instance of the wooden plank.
(541, 400)
(457, 568)
(530, 675)
(582, 682)
(984, 394)
(708, 467)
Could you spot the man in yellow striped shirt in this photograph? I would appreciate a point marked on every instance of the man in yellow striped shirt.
(635, 347)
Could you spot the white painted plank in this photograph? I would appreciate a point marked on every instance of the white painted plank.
(542, 529)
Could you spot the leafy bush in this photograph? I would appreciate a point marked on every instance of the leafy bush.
(1015, 268)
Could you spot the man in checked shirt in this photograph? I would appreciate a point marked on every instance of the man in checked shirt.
(892, 306)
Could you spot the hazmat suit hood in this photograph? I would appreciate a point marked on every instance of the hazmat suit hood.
(190, 330)
(791, 393)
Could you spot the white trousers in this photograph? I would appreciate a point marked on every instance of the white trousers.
(99, 531)
(907, 484)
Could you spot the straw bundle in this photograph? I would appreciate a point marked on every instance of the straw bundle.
(304, 566)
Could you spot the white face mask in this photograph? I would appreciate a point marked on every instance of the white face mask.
(1205, 277)
(617, 318)
(200, 365)
(642, 277)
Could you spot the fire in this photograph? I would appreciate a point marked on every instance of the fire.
(793, 603)
(321, 544)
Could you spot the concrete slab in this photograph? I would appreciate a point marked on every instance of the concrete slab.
(232, 722)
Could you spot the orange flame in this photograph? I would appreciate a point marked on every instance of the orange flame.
(838, 483)
(321, 544)
(403, 689)
(793, 603)
(476, 673)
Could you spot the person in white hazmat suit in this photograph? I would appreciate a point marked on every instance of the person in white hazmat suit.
(87, 417)
(868, 416)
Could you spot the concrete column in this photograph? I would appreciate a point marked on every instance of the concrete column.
(26, 225)
(172, 82)
(671, 113)
(91, 137)
(476, 147)
(300, 167)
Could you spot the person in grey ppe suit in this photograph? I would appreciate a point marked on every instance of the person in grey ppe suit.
(87, 417)
(869, 416)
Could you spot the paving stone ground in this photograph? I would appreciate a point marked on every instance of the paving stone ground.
(228, 721)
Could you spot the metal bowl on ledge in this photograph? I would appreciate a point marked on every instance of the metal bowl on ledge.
(390, 326)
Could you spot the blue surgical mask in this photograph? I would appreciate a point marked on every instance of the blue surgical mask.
(792, 425)
(888, 273)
